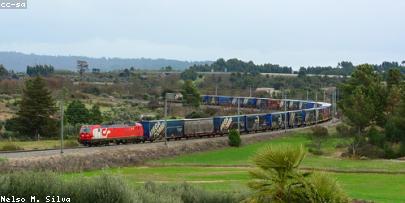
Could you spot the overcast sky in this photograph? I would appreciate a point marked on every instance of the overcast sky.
(288, 32)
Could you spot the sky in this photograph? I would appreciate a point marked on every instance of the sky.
(287, 32)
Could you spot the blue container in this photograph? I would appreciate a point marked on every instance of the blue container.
(258, 122)
(277, 120)
(310, 105)
(296, 118)
(224, 100)
(205, 99)
(155, 130)
(223, 124)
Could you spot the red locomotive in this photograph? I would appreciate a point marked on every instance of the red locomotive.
(104, 134)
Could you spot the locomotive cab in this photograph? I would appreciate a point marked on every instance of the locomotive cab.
(85, 134)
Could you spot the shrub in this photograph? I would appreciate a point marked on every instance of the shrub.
(10, 147)
(197, 114)
(343, 130)
(71, 143)
(319, 134)
(315, 151)
(326, 189)
(370, 151)
(186, 193)
(234, 138)
(92, 90)
(95, 189)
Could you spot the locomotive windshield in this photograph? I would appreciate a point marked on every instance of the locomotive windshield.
(85, 130)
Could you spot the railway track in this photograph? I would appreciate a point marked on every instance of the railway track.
(82, 149)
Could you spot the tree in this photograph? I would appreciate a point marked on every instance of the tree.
(363, 98)
(95, 115)
(302, 72)
(319, 134)
(191, 96)
(36, 110)
(167, 68)
(82, 67)
(189, 74)
(40, 70)
(77, 113)
(3, 72)
(394, 77)
(234, 138)
(277, 178)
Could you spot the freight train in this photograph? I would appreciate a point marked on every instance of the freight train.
(284, 113)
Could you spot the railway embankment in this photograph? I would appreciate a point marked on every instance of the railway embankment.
(91, 158)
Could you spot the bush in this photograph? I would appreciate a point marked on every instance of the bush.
(186, 193)
(315, 151)
(319, 134)
(370, 151)
(92, 90)
(234, 138)
(104, 188)
(343, 130)
(70, 143)
(319, 131)
(326, 189)
(95, 189)
(10, 147)
(197, 114)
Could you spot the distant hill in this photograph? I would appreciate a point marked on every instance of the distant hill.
(18, 62)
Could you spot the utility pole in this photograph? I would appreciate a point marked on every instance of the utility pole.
(166, 119)
(324, 95)
(316, 110)
(250, 91)
(216, 89)
(61, 126)
(285, 111)
(238, 114)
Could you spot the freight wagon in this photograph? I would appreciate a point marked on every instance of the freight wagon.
(155, 130)
(223, 124)
(198, 127)
(258, 122)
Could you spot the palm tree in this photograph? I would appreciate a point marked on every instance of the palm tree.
(276, 173)
(277, 178)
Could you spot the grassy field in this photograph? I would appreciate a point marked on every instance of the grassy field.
(30, 145)
(377, 187)
(241, 156)
(227, 170)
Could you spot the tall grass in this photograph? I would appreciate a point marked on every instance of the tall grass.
(105, 188)
(97, 189)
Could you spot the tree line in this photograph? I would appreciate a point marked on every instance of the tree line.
(40, 70)
(342, 68)
(236, 65)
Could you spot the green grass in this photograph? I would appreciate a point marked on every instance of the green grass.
(377, 187)
(227, 170)
(29, 145)
(242, 156)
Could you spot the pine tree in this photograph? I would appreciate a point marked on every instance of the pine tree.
(95, 115)
(37, 107)
(76, 113)
(191, 95)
